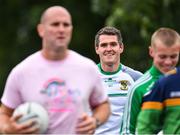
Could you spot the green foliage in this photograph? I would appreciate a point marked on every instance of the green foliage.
(101, 6)
(137, 20)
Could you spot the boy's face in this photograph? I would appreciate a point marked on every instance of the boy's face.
(164, 57)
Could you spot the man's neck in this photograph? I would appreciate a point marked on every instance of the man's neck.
(55, 56)
(110, 67)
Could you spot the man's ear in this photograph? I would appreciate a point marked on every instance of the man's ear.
(40, 30)
(151, 51)
(121, 47)
(96, 49)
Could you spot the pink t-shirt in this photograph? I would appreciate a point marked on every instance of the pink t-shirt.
(65, 88)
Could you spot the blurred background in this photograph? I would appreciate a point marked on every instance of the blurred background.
(136, 19)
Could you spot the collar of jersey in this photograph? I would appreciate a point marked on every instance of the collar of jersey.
(109, 73)
(155, 71)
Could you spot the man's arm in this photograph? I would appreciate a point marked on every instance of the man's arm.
(132, 109)
(9, 125)
(5, 114)
(88, 124)
(101, 113)
(149, 120)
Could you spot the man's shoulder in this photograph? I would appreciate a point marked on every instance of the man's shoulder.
(79, 60)
(29, 59)
(135, 74)
(78, 57)
(171, 78)
(126, 68)
(24, 65)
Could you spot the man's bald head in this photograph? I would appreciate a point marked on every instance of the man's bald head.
(52, 9)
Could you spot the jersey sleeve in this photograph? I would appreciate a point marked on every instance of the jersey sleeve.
(132, 109)
(11, 97)
(149, 119)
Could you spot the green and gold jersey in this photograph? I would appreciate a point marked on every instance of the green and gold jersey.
(161, 107)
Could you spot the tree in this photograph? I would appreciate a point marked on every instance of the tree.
(137, 20)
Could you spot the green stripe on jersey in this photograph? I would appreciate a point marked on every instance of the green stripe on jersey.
(117, 95)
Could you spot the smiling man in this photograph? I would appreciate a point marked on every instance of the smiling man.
(116, 77)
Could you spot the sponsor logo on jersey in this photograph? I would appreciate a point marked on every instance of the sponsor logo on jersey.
(175, 94)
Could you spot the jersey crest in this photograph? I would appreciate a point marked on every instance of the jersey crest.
(124, 84)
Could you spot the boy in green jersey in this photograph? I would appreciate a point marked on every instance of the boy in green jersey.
(165, 53)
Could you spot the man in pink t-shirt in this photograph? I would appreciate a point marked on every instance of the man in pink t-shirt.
(67, 84)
